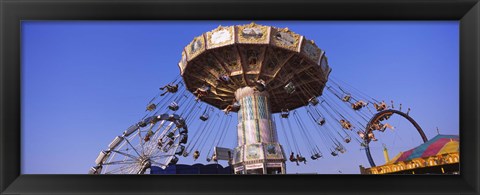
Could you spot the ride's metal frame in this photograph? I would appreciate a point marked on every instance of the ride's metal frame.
(376, 118)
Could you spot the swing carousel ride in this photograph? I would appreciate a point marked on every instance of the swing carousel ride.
(268, 77)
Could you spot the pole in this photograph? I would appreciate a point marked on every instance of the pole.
(385, 153)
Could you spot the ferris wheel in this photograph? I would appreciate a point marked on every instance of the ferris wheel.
(154, 141)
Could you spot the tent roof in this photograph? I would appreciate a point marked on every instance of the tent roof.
(440, 144)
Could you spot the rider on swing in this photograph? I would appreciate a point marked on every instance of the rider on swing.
(196, 154)
(380, 107)
(231, 107)
(293, 159)
(346, 98)
(147, 137)
(260, 85)
(201, 92)
(345, 124)
(301, 159)
(361, 134)
(372, 136)
(170, 88)
(358, 105)
(224, 79)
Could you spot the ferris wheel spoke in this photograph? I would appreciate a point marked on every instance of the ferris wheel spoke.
(157, 163)
(119, 169)
(138, 153)
(127, 170)
(125, 154)
(151, 145)
(122, 169)
(122, 157)
(121, 162)
(152, 149)
(160, 156)
(164, 132)
(142, 142)
(160, 126)
(155, 151)
(134, 169)
(130, 169)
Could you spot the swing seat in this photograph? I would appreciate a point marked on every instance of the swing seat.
(170, 135)
(205, 88)
(356, 107)
(334, 153)
(184, 139)
(142, 123)
(181, 124)
(347, 140)
(208, 159)
(151, 107)
(151, 119)
(235, 107)
(338, 148)
(159, 143)
(317, 155)
(289, 88)
(173, 161)
(180, 150)
(147, 138)
(172, 89)
(173, 106)
(185, 154)
(302, 159)
(321, 121)
(285, 113)
(183, 131)
(347, 125)
(260, 85)
(196, 154)
(313, 101)
(313, 157)
(225, 78)
(346, 98)
(204, 117)
(95, 170)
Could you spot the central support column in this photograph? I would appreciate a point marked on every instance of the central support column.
(258, 150)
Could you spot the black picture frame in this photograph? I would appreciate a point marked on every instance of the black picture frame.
(12, 12)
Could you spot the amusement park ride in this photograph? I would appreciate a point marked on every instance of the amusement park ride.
(267, 76)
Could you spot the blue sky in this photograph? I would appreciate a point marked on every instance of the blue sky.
(83, 83)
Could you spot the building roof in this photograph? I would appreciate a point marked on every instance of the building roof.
(440, 144)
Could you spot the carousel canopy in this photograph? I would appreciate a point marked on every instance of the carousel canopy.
(232, 57)
(440, 144)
